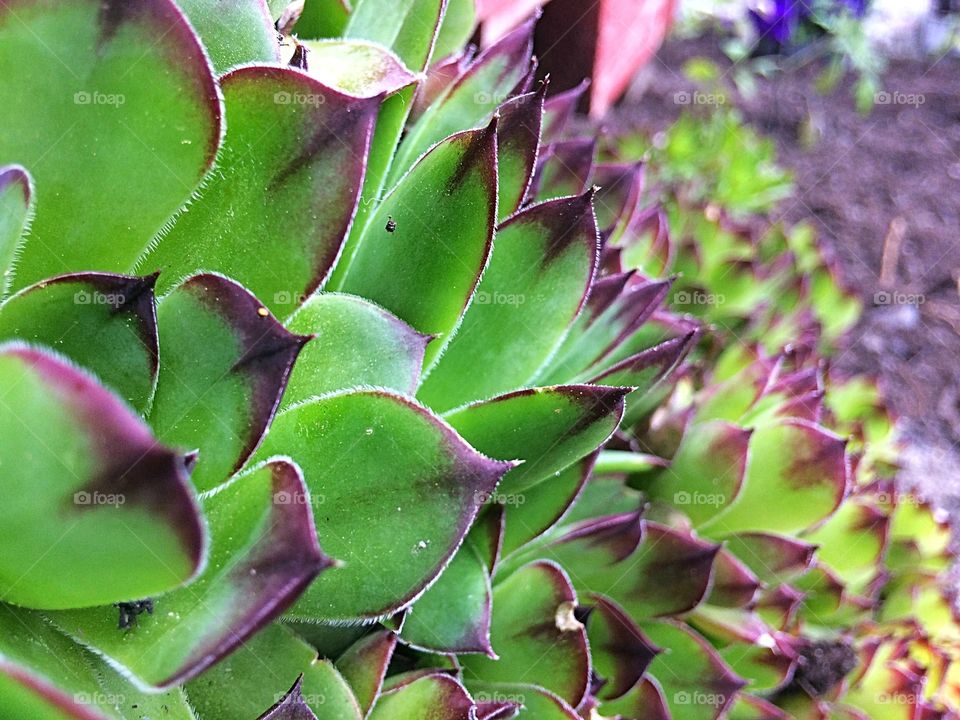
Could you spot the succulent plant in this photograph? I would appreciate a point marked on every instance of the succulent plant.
(270, 294)
(168, 350)
(712, 186)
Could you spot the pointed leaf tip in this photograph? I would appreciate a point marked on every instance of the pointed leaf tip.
(127, 492)
(17, 175)
(291, 706)
(217, 335)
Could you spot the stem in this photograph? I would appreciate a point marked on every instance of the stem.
(613, 462)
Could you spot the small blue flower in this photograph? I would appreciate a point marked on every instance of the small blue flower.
(779, 24)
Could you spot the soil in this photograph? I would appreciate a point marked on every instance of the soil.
(866, 182)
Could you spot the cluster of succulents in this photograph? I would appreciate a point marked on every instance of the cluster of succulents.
(713, 185)
(338, 382)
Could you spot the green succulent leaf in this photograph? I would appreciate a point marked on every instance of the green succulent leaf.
(620, 651)
(486, 536)
(459, 24)
(697, 684)
(492, 78)
(773, 558)
(106, 513)
(734, 584)
(104, 323)
(98, 73)
(648, 371)
(390, 352)
(428, 242)
(453, 616)
(532, 513)
(706, 473)
(532, 701)
(233, 32)
(753, 649)
(356, 67)
(364, 666)
(263, 553)
(46, 676)
(616, 310)
(408, 27)
(854, 539)
(593, 544)
(751, 707)
(565, 168)
(394, 533)
(16, 193)
(134, 703)
(274, 215)
(518, 143)
(536, 634)
(823, 592)
(537, 281)
(559, 109)
(648, 367)
(224, 365)
(43, 676)
(275, 8)
(323, 18)
(621, 185)
(259, 674)
(498, 709)
(644, 700)
(42, 673)
(651, 570)
(552, 428)
(796, 477)
(408, 698)
(438, 79)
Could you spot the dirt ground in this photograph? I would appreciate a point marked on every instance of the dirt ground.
(893, 173)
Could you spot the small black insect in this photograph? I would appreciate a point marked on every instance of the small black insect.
(129, 611)
(391, 224)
